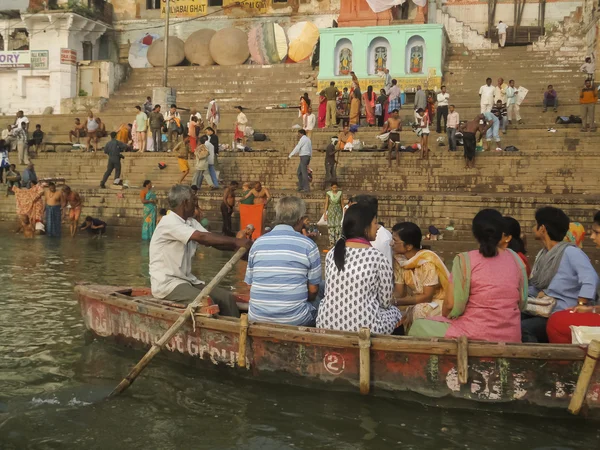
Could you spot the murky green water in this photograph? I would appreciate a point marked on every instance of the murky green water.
(52, 381)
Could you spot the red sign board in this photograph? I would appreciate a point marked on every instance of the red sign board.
(68, 56)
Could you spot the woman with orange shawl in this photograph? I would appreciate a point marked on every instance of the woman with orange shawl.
(30, 204)
(354, 118)
(420, 276)
(304, 105)
(369, 100)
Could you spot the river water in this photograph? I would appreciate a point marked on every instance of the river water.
(53, 380)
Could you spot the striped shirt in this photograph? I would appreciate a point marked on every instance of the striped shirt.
(281, 265)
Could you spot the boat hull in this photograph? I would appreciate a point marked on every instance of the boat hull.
(512, 376)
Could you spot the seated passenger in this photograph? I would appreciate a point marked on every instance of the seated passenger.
(512, 239)
(383, 238)
(284, 270)
(420, 276)
(561, 271)
(359, 281)
(488, 288)
(558, 327)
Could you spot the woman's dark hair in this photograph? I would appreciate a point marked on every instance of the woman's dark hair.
(409, 233)
(555, 220)
(356, 94)
(512, 228)
(335, 183)
(370, 92)
(146, 183)
(356, 220)
(306, 99)
(488, 226)
(162, 211)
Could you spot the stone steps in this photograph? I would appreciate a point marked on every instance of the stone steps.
(527, 172)
(441, 209)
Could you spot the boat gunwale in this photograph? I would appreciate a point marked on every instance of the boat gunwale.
(341, 339)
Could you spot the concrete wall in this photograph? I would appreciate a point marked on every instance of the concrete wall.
(475, 13)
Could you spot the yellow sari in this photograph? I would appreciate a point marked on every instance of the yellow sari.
(422, 270)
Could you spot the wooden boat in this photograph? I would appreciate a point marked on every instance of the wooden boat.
(518, 377)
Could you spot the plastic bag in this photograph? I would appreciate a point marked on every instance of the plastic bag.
(322, 221)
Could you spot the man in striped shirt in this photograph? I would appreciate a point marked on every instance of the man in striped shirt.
(284, 270)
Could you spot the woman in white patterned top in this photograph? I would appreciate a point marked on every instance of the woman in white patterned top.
(359, 279)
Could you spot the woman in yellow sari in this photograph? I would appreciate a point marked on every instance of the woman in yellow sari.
(420, 276)
(354, 118)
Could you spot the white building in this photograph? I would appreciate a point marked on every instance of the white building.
(40, 50)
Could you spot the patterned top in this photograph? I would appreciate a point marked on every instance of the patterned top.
(280, 265)
(359, 296)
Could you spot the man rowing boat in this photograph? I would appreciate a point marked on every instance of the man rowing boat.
(173, 246)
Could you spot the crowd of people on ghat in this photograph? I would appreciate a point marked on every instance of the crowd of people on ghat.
(387, 281)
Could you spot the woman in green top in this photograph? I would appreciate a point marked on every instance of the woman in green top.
(333, 213)
(245, 191)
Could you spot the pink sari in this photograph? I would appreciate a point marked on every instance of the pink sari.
(322, 111)
(369, 107)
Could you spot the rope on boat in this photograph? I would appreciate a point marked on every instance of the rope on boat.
(192, 309)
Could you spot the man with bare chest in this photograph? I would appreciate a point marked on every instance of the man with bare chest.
(393, 126)
(53, 200)
(469, 131)
(227, 208)
(71, 201)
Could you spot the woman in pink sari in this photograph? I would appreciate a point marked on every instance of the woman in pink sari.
(322, 111)
(369, 102)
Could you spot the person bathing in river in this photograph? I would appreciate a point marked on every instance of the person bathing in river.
(173, 246)
(420, 276)
(71, 202)
(284, 270)
(488, 289)
(95, 227)
(53, 213)
(227, 208)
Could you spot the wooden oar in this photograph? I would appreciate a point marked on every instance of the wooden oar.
(130, 378)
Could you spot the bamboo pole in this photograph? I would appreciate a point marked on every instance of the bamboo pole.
(364, 344)
(243, 337)
(585, 376)
(462, 356)
(130, 378)
(166, 43)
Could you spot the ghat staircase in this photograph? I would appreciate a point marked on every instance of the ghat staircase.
(551, 167)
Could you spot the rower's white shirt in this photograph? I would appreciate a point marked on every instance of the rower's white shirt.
(171, 253)
(501, 27)
(383, 243)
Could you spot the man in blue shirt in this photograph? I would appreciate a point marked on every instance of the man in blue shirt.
(561, 271)
(304, 150)
(284, 270)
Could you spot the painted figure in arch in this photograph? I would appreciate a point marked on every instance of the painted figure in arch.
(345, 61)
(380, 59)
(416, 59)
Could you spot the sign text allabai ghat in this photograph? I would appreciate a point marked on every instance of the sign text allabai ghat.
(184, 8)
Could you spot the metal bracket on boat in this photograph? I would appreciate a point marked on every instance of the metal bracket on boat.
(364, 344)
